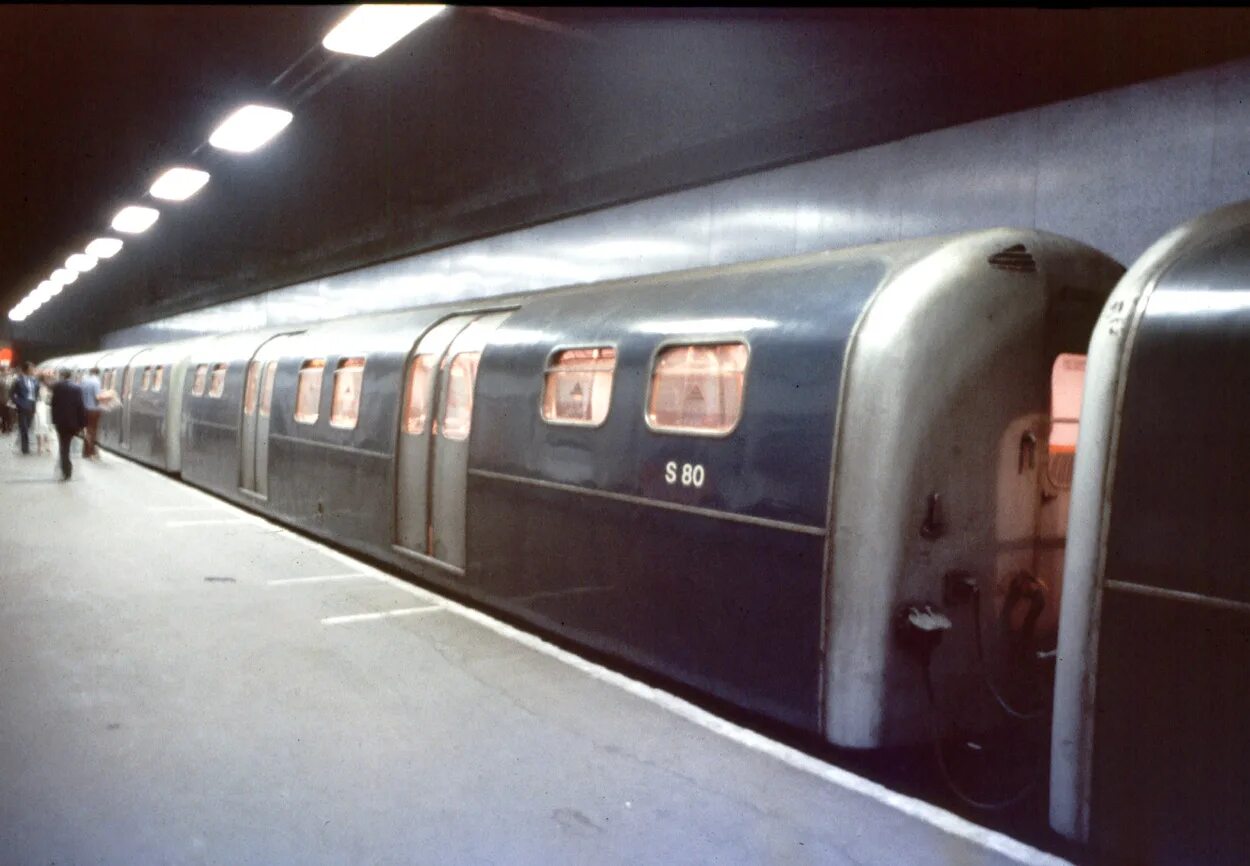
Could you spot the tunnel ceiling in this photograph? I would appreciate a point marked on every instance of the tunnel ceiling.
(484, 120)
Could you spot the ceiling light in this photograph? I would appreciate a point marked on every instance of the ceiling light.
(62, 277)
(16, 315)
(134, 219)
(249, 128)
(54, 289)
(43, 292)
(104, 248)
(80, 262)
(370, 29)
(179, 184)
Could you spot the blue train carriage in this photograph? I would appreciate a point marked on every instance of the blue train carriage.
(1150, 757)
(113, 366)
(212, 414)
(154, 385)
(328, 443)
(740, 477)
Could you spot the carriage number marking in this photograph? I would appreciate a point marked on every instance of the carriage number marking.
(691, 474)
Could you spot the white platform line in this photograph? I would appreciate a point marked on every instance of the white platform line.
(321, 578)
(383, 614)
(238, 521)
(934, 816)
(213, 507)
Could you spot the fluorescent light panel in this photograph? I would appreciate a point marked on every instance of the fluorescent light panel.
(249, 128)
(80, 262)
(370, 29)
(104, 248)
(133, 219)
(63, 277)
(179, 184)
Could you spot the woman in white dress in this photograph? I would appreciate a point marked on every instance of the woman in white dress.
(42, 421)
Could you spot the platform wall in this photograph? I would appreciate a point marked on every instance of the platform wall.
(1116, 170)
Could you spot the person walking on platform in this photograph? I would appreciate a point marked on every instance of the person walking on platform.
(69, 415)
(42, 426)
(91, 399)
(6, 418)
(25, 393)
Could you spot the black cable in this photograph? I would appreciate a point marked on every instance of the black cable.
(1024, 715)
(988, 806)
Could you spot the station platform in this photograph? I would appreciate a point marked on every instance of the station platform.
(184, 682)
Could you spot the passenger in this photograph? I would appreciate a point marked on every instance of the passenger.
(91, 399)
(25, 393)
(42, 425)
(69, 415)
(6, 416)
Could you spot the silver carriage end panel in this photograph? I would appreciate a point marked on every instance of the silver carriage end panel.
(940, 466)
(1077, 675)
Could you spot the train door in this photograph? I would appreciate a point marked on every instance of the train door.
(449, 446)
(412, 492)
(261, 470)
(257, 400)
(128, 394)
(433, 444)
(247, 444)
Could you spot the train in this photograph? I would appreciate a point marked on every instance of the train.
(843, 491)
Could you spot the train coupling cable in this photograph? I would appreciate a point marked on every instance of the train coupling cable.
(920, 629)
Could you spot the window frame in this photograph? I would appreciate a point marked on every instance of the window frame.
(429, 415)
(339, 366)
(158, 378)
(196, 380)
(450, 361)
(547, 370)
(702, 340)
(251, 387)
(212, 375)
(264, 405)
(309, 363)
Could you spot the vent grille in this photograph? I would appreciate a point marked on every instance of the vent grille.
(1014, 258)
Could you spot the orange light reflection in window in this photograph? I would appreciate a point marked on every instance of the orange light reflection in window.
(698, 388)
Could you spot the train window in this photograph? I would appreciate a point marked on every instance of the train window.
(128, 383)
(578, 388)
(1067, 383)
(697, 389)
(217, 382)
(308, 396)
(201, 378)
(458, 411)
(266, 389)
(158, 377)
(147, 379)
(106, 381)
(249, 388)
(416, 409)
(349, 376)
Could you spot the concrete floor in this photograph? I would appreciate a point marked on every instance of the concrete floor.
(162, 700)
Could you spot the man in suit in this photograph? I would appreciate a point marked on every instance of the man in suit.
(25, 393)
(69, 415)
